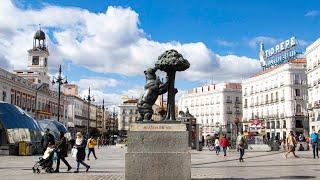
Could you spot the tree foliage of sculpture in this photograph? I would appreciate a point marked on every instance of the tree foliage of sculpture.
(170, 62)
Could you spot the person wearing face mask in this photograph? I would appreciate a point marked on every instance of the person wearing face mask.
(81, 144)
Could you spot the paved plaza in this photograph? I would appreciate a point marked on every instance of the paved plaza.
(205, 165)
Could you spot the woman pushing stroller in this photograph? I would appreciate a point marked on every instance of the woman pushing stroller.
(46, 161)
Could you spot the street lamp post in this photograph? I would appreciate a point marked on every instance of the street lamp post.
(103, 121)
(60, 80)
(89, 98)
(113, 123)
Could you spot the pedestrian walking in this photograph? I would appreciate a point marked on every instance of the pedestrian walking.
(224, 143)
(217, 145)
(291, 144)
(241, 144)
(314, 142)
(91, 144)
(80, 145)
(62, 152)
(46, 139)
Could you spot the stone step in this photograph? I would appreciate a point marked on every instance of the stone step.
(4, 152)
(4, 147)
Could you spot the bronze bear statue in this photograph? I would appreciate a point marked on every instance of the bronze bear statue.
(152, 89)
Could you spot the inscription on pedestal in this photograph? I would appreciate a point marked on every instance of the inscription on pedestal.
(157, 127)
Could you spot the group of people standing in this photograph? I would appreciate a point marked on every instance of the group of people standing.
(292, 141)
(223, 143)
(61, 145)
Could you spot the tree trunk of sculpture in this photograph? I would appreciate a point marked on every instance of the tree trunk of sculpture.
(171, 97)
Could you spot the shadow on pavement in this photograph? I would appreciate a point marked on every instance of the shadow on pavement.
(271, 165)
(279, 177)
(195, 164)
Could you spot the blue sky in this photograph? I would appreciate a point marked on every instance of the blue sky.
(218, 37)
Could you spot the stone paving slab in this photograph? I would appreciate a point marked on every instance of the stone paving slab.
(205, 165)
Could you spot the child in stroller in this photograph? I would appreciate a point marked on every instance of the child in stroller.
(46, 161)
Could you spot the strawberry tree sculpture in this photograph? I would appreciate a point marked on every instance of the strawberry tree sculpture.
(170, 62)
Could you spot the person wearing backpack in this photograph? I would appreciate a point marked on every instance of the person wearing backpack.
(241, 144)
(314, 142)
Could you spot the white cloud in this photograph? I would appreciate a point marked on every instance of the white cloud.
(4, 62)
(302, 42)
(312, 13)
(98, 83)
(254, 42)
(111, 41)
(222, 42)
(236, 67)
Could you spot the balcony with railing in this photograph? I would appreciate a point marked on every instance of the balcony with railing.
(245, 106)
(282, 99)
(229, 112)
(297, 82)
(316, 104)
(298, 98)
(251, 105)
(299, 113)
(229, 101)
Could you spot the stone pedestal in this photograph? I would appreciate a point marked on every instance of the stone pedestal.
(157, 151)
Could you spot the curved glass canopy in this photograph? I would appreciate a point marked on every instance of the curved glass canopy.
(18, 124)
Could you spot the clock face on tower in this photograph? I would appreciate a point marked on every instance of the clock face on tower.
(35, 60)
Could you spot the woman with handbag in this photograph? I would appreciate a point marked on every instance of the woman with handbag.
(80, 145)
(241, 144)
(62, 152)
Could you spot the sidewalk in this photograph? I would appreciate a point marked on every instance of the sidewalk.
(205, 165)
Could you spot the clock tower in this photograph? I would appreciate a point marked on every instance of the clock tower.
(38, 55)
(37, 60)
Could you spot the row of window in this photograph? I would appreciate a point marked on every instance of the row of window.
(207, 101)
(271, 98)
(297, 112)
(297, 79)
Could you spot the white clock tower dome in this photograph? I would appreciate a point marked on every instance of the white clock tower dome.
(37, 60)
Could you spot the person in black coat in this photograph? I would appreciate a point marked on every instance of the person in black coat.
(46, 139)
(81, 144)
(62, 152)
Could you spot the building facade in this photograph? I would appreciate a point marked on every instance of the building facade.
(274, 100)
(37, 71)
(29, 89)
(79, 112)
(215, 107)
(128, 113)
(313, 76)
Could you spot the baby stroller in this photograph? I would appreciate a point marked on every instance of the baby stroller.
(45, 163)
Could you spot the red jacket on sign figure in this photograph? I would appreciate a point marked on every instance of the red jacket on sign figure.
(224, 142)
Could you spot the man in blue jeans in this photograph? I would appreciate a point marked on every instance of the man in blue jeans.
(314, 142)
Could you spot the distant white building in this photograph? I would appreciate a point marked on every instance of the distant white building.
(214, 106)
(277, 98)
(313, 75)
(128, 113)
